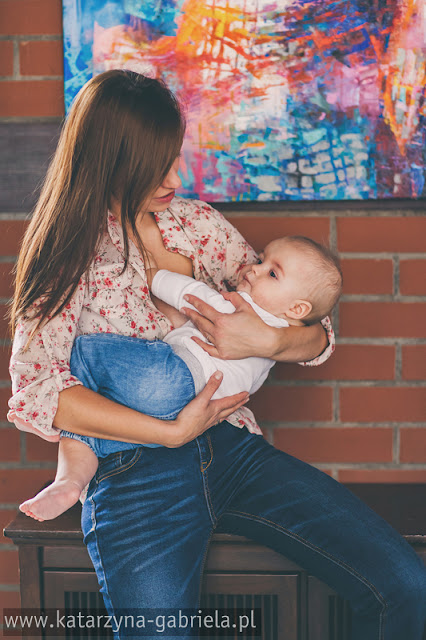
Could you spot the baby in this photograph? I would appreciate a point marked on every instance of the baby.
(295, 282)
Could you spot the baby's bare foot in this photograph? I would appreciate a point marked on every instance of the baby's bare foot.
(52, 501)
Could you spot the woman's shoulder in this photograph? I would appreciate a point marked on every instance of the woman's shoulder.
(189, 209)
(107, 252)
(199, 219)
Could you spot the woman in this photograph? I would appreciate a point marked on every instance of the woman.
(107, 212)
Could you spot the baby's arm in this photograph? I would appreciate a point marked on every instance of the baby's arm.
(172, 287)
(176, 318)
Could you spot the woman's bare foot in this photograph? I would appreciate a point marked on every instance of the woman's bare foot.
(58, 497)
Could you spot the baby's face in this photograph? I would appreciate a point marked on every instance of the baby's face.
(275, 282)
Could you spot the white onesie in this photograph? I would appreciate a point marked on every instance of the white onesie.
(247, 374)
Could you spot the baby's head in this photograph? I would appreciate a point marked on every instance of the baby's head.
(295, 278)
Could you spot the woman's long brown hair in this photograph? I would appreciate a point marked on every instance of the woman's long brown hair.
(122, 135)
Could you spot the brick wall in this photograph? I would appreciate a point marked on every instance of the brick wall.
(359, 417)
(31, 58)
(31, 90)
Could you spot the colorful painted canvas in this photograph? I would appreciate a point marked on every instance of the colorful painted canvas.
(285, 99)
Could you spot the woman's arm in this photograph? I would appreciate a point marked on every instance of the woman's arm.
(244, 334)
(286, 345)
(224, 252)
(299, 344)
(83, 411)
(47, 397)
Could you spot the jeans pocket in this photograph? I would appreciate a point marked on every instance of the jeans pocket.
(117, 463)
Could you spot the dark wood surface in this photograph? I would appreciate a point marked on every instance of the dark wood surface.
(54, 561)
(402, 505)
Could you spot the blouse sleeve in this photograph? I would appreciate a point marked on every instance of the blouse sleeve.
(224, 251)
(39, 373)
(326, 323)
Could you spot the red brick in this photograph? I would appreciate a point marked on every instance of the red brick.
(414, 362)
(12, 606)
(41, 450)
(6, 58)
(336, 445)
(25, 98)
(280, 403)
(4, 362)
(383, 404)
(11, 234)
(258, 231)
(367, 276)
(382, 475)
(6, 516)
(10, 600)
(370, 234)
(3, 632)
(10, 450)
(382, 319)
(43, 58)
(9, 567)
(412, 277)
(31, 17)
(329, 472)
(5, 394)
(16, 485)
(413, 445)
(18, 636)
(348, 362)
(15, 637)
(6, 279)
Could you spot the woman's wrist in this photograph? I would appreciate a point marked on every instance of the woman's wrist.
(298, 344)
(171, 434)
(273, 342)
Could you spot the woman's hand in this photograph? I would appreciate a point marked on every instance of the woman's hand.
(202, 412)
(235, 335)
(243, 334)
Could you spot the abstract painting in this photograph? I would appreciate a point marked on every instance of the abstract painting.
(284, 99)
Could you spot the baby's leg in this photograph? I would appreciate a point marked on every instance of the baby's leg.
(77, 464)
(145, 375)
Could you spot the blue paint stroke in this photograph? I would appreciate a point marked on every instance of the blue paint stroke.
(325, 154)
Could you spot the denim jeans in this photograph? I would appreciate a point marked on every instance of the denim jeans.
(145, 375)
(150, 513)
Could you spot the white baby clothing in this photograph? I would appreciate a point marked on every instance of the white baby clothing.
(247, 374)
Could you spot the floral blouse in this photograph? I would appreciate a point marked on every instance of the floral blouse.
(107, 302)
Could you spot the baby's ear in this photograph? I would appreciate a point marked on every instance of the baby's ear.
(299, 309)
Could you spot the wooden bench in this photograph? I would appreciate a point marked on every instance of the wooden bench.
(56, 571)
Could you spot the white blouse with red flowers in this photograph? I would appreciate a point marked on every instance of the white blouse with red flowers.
(107, 302)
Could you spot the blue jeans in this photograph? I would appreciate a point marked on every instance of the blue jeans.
(150, 513)
(145, 375)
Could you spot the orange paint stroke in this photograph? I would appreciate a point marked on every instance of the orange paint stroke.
(247, 145)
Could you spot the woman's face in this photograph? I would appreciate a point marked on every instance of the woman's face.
(163, 196)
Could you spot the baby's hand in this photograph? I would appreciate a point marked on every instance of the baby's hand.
(150, 273)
